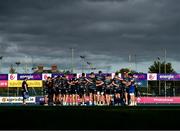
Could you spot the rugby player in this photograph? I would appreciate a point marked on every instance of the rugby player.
(117, 83)
(131, 89)
(25, 90)
(108, 89)
(57, 86)
(126, 88)
(100, 88)
(82, 81)
(92, 88)
(136, 94)
(54, 90)
(50, 90)
(74, 90)
(64, 89)
(46, 92)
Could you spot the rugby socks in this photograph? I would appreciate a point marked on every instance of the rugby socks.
(116, 101)
(90, 102)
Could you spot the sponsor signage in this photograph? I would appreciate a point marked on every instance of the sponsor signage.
(169, 77)
(158, 100)
(140, 76)
(39, 99)
(69, 76)
(17, 100)
(79, 75)
(152, 76)
(12, 76)
(112, 75)
(3, 83)
(3, 76)
(31, 83)
(103, 74)
(56, 75)
(45, 76)
(148, 76)
(29, 76)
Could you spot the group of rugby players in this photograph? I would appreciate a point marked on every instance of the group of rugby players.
(99, 89)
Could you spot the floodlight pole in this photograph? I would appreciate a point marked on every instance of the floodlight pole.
(1, 58)
(159, 60)
(72, 60)
(129, 62)
(165, 53)
(135, 62)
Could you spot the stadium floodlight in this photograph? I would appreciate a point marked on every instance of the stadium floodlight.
(83, 61)
(17, 63)
(83, 57)
(88, 63)
(165, 71)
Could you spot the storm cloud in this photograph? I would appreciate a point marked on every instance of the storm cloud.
(105, 31)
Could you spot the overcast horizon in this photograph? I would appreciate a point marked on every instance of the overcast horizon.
(105, 31)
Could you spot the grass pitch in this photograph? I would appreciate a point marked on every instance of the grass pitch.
(58, 117)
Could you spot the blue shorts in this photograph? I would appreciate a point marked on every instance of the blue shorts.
(132, 89)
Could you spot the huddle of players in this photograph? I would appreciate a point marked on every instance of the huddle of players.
(101, 90)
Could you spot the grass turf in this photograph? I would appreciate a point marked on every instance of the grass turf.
(43, 117)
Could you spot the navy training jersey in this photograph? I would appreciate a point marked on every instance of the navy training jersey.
(100, 78)
(64, 83)
(74, 80)
(132, 80)
(24, 84)
(82, 81)
(93, 80)
(57, 83)
(107, 82)
(117, 81)
(126, 79)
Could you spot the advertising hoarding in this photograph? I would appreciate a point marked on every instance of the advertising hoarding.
(29, 76)
(158, 100)
(3, 76)
(31, 83)
(17, 100)
(151, 76)
(3, 83)
(12, 76)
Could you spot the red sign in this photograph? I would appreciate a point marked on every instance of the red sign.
(45, 76)
(158, 100)
(3, 84)
(12, 76)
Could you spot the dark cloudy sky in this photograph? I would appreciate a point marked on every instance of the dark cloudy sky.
(105, 31)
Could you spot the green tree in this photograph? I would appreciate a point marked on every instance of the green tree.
(12, 70)
(122, 70)
(159, 67)
(66, 72)
(155, 67)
